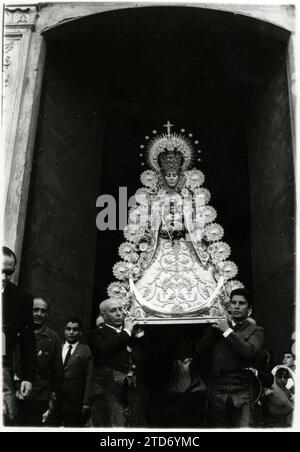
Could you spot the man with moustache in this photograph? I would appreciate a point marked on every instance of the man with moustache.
(17, 332)
(230, 347)
(119, 394)
(40, 408)
(78, 383)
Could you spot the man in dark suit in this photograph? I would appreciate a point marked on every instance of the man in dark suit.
(230, 348)
(78, 383)
(119, 397)
(17, 330)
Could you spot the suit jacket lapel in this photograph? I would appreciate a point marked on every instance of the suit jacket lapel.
(110, 330)
(74, 356)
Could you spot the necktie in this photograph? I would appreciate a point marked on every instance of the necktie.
(68, 355)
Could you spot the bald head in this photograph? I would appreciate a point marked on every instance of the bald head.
(105, 304)
(112, 312)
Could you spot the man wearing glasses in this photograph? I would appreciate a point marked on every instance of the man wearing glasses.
(17, 330)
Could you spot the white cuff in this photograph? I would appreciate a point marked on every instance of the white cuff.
(227, 332)
(127, 331)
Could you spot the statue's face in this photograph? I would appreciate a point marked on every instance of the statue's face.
(171, 178)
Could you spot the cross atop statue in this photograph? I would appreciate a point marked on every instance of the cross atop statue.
(168, 126)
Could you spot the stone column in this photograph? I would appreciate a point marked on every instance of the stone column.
(23, 59)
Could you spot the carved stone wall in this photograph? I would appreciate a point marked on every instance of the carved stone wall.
(19, 23)
(23, 68)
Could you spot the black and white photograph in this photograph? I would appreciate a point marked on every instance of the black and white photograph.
(149, 216)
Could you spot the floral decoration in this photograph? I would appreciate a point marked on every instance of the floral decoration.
(141, 196)
(227, 269)
(149, 178)
(139, 215)
(124, 270)
(194, 178)
(213, 232)
(210, 214)
(204, 193)
(121, 270)
(118, 290)
(127, 252)
(141, 232)
(219, 251)
(133, 232)
(143, 246)
(232, 285)
(134, 271)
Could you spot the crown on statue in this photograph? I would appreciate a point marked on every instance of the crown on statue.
(170, 159)
(169, 151)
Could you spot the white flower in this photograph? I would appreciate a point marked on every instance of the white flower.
(232, 285)
(204, 193)
(143, 246)
(219, 251)
(118, 290)
(149, 178)
(141, 196)
(139, 215)
(124, 270)
(210, 214)
(213, 232)
(195, 178)
(133, 232)
(134, 215)
(127, 252)
(121, 270)
(134, 271)
(227, 269)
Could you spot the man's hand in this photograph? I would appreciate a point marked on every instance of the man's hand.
(129, 323)
(221, 325)
(138, 333)
(25, 389)
(52, 402)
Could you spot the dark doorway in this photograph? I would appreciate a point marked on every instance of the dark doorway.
(112, 78)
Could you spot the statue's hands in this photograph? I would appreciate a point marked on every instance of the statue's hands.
(221, 325)
(129, 323)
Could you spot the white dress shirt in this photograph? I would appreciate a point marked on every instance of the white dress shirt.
(66, 348)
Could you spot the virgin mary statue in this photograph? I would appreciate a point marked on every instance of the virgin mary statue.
(174, 266)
